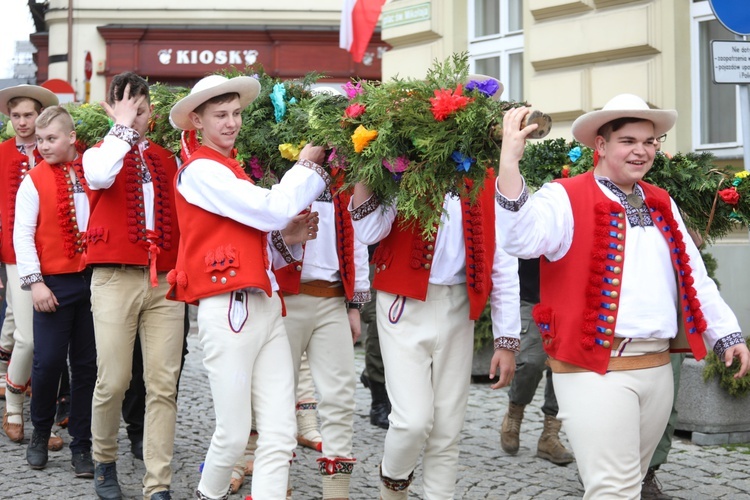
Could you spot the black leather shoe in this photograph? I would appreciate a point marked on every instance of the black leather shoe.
(82, 464)
(105, 481)
(36, 453)
(162, 495)
(136, 448)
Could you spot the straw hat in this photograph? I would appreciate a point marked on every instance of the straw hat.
(484, 78)
(621, 106)
(211, 86)
(39, 94)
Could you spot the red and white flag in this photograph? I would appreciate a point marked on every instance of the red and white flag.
(358, 20)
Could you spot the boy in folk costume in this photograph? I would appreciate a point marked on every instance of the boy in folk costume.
(52, 211)
(324, 292)
(18, 155)
(429, 292)
(224, 266)
(132, 243)
(614, 291)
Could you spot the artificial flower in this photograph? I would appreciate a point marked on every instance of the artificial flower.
(354, 110)
(362, 137)
(256, 169)
(399, 165)
(574, 154)
(742, 175)
(487, 87)
(566, 171)
(277, 99)
(730, 196)
(337, 161)
(463, 162)
(448, 101)
(290, 151)
(353, 91)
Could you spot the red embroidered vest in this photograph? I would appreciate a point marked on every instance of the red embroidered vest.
(580, 293)
(216, 254)
(117, 227)
(13, 168)
(289, 276)
(59, 244)
(404, 257)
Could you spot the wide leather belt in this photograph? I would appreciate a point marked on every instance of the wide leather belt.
(618, 363)
(322, 288)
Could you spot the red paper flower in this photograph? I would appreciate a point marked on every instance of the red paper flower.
(447, 102)
(354, 110)
(730, 195)
(566, 171)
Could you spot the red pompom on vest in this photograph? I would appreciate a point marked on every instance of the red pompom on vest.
(117, 231)
(288, 277)
(59, 243)
(403, 259)
(580, 293)
(13, 168)
(216, 254)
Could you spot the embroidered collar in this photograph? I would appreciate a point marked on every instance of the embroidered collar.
(637, 216)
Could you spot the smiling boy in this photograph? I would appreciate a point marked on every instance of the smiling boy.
(52, 212)
(223, 265)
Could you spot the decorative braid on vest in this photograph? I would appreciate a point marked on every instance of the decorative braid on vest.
(73, 241)
(16, 173)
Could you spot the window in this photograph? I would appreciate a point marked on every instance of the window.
(716, 120)
(496, 43)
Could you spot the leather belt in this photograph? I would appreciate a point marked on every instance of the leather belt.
(322, 288)
(618, 363)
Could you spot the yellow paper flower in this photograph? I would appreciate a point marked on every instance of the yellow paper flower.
(290, 151)
(742, 175)
(362, 137)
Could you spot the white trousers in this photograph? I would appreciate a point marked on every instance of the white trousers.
(320, 327)
(614, 422)
(21, 309)
(249, 369)
(427, 350)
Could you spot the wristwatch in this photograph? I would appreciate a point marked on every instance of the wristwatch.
(355, 305)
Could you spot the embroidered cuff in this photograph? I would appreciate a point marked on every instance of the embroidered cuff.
(27, 281)
(365, 208)
(317, 169)
(725, 343)
(362, 297)
(280, 245)
(508, 343)
(126, 134)
(513, 205)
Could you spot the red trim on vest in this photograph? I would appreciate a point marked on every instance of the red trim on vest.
(117, 227)
(13, 168)
(57, 228)
(404, 257)
(216, 254)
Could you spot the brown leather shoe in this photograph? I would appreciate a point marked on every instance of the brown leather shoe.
(55, 442)
(13, 431)
(2, 392)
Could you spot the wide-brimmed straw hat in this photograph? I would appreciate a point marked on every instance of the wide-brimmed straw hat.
(211, 86)
(483, 78)
(586, 126)
(40, 94)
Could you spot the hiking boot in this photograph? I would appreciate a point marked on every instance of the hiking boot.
(511, 428)
(82, 464)
(651, 487)
(36, 453)
(549, 446)
(105, 481)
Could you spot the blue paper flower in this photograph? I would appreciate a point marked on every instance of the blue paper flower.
(277, 99)
(463, 162)
(574, 154)
(487, 87)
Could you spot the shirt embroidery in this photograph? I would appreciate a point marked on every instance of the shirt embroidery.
(637, 216)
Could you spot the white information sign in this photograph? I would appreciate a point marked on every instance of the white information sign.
(731, 61)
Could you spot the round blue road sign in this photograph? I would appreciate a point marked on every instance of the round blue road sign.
(733, 14)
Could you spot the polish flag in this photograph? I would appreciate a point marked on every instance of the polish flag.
(358, 20)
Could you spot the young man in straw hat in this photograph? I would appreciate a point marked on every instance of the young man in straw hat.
(132, 243)
(615, 291)
(18, 155)
(429, 292)
(52, 211)
(223, 265)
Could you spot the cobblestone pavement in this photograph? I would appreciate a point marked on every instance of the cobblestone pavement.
(693, 472)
